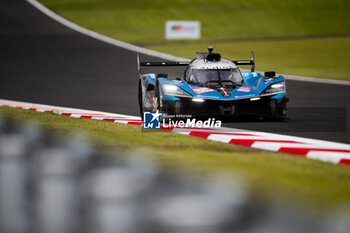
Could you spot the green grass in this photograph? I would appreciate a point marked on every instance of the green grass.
(323, 58)
(143, 22)
(281, 177)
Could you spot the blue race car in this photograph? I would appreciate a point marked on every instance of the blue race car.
(213, 86)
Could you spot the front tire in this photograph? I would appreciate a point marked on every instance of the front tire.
(140, 99)
(279, 109)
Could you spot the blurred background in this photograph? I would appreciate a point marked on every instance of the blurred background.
(62, 183)
(309, 38)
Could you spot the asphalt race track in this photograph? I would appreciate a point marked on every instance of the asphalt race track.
(42, 61)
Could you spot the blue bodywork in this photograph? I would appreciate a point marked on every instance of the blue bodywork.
(252, 94)
(253, 86)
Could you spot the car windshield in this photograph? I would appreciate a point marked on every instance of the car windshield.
(203, 76)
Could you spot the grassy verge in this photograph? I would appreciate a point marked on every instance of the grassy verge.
(322, 58)
(281, 177)
(143, 21)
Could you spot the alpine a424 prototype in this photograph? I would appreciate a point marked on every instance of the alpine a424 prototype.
(213, 86)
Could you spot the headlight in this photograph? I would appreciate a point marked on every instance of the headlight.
(276, 87)
(170, 89)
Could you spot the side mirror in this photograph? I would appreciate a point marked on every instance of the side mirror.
(162, 76)
(270, 74)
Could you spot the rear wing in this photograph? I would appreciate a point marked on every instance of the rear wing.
(161, 63)
(247, 62)
(186, 63)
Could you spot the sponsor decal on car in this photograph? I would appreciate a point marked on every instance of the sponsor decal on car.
(202, 90)
(244, 89)
(217, 67)
(179, 82)
(244, 96)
